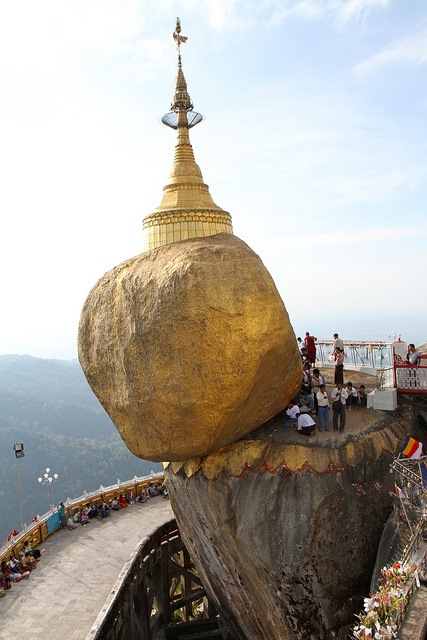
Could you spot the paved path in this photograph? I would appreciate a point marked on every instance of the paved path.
(414, 626)
(78, 569)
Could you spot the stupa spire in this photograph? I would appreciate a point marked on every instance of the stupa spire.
(187, 209)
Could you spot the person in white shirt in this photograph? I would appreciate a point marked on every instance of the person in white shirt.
(322, 408)
(317, 379)
(352, 396)
(338, 343)
(413, 356)
(306, 424)
(339, 398)
(292, 412)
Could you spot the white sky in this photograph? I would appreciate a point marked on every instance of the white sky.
(315, 141)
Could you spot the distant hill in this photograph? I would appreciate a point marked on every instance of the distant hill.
(49, 406)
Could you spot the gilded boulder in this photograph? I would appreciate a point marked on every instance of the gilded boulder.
(188, 347)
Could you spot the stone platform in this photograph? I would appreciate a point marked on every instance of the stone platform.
(78, 569)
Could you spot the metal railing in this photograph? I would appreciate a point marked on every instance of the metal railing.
(370, 353)
(37, 531)
(405, 377)
(157, 589)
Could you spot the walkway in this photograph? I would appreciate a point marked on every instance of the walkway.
(358, 421)
(414, 626)
(77, 572)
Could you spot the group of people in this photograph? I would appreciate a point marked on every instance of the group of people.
(308, 352)
(98, 510)
(101, 509)
(307, 348)
(343, 399)
(313, 399)
(18, 567)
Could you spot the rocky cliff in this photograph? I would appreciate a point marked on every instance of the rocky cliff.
(284, 529)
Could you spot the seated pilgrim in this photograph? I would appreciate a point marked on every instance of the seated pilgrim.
(5, 575)
(362, 396)
(27, 562)
(292, 412)
(122, 502)
(306, 425)
(129, 497)
(71, 524)
(103, 512)
(351, 395)
(115, 504)
(15, 572)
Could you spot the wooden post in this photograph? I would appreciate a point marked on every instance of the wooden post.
(164, 583)
(187, 583)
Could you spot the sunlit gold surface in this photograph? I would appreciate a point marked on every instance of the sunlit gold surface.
(187, 209)
(189, 347)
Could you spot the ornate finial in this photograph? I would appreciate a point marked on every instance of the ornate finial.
(179, 39)
(187, 209)
(181, 102)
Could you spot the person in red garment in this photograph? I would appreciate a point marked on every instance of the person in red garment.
(122, 502)
(310, 345)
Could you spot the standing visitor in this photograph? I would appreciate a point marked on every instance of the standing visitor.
(323, 408)
(339, 398)
(310, 345)
(413, 356)
(306, 392)
(317, 379)
(338, 343)
(339, 366)
(305, 356)
(62, 516)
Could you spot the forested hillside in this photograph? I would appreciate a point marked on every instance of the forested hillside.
(48, 405)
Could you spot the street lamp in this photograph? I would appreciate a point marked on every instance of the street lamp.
(18, 448)
(47, 479)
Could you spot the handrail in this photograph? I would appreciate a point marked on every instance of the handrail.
(369, 353)
(37, 531)
(157, 580)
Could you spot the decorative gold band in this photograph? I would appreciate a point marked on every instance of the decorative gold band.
(176, 225)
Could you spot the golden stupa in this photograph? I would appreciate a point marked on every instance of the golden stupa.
(188, 346)
(187, 209)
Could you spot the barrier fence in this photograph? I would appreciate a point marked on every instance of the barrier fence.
(46, 524)
(405, 377)
(376, 354)
(158, 595)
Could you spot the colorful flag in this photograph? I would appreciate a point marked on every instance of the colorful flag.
(423, 469)
(400, 492)
(412, 448)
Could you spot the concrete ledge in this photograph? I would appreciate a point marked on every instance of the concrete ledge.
(349, 366)
(382, 400)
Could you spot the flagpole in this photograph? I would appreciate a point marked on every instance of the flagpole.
(406, 516)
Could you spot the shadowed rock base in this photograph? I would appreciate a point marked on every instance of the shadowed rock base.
(286, 549)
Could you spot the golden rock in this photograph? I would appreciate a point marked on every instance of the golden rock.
(189, 347)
